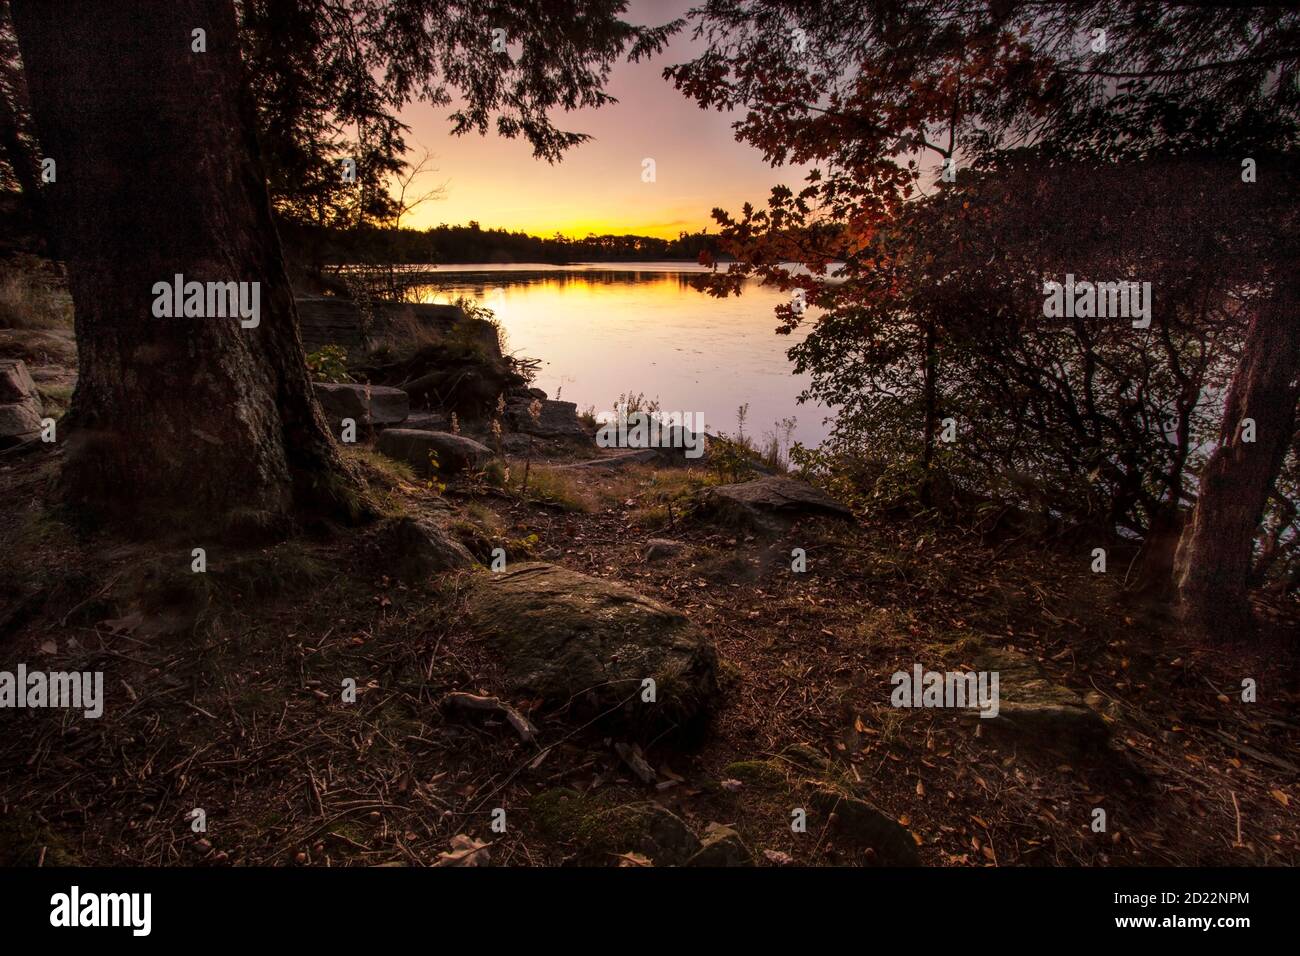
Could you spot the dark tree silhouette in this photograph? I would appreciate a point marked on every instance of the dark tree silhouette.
(198, 419)
(865, 90)
(159, 173)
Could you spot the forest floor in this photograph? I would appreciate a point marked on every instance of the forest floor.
(223, 689)
(223, 695)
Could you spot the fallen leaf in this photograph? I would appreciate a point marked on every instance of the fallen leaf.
(465, 851)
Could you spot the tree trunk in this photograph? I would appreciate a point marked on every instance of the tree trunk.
(930, 391)
(200, 422)
(1214, 557)
(1155, 561)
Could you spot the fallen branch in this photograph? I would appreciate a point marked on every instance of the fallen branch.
(631, 755)
(461, 701)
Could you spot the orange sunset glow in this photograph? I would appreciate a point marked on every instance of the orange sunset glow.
(598, 188)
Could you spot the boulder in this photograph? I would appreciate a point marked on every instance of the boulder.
(646, 828)
(582, 641)
(680, 445)
(452, 453)
(858, 822)
(431, 319)
(760, 774)
(721, 846)
(554, 420)
(414, 548)
(1035, 710)
(330, 320)
(468, 384)
(364, 404)
(665, 444)
(768, 504)
(20, 404)
(522, 446)
(427, 421)
(16, 383)
(601, 833)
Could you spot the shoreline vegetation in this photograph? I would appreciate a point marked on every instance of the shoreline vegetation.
(471, 243)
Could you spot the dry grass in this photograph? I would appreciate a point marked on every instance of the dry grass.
(32, 297)
(40, 347)
(404, 333)
(552, 486)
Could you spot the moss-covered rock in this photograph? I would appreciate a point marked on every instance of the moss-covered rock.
(1035, 710)
(578, 640)
(856, 821)
(599, 831)
(806, 757)
(756, 773)
(414, 548)
(721, 846)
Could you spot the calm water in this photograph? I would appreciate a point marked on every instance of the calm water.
(604, 329)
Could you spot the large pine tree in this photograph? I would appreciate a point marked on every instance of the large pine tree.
(155, 136)
(200, 420)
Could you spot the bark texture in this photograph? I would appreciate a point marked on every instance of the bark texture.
(1215, 553)
(193, 419)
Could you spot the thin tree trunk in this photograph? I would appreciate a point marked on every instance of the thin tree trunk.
(197, 420)
(930, 391)
(1214, 558)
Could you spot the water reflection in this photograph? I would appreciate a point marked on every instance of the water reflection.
(604, 330)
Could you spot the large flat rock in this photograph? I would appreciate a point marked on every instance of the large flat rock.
(364, 404)
(555, 419)
(1037, 711)
(419, 449)
(769, 503)
(580, 640)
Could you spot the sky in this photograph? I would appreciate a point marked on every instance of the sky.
(598, 186)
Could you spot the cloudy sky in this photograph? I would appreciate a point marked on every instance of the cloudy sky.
(598, 187)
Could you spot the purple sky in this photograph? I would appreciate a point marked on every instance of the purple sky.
(598, 186)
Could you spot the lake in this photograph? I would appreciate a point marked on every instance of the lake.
(604, 329)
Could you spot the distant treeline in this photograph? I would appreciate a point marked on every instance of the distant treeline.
(320, 246)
